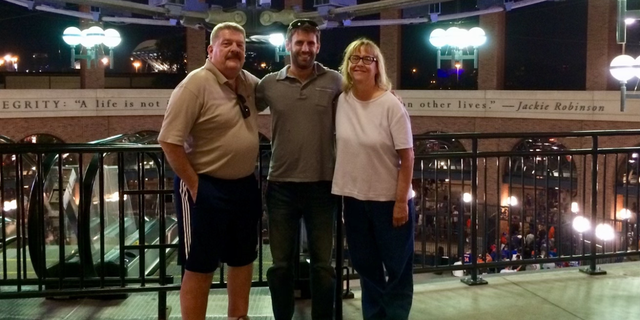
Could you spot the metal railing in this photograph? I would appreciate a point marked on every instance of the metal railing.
(95, 219)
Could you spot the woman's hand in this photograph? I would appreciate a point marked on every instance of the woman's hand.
(400, 214)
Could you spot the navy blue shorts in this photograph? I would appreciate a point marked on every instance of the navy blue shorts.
(222, 226)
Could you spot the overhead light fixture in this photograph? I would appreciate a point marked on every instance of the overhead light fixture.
(458, 41)
(91, 39)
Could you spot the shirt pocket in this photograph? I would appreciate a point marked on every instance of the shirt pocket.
(324, 97)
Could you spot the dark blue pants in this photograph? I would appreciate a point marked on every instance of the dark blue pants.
(376, 246)
(221, 226)
(287, 203)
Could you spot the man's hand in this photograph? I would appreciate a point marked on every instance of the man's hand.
(193, 190)
(180, 164)
(400, 213)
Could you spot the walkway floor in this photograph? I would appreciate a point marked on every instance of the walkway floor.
(561, 294)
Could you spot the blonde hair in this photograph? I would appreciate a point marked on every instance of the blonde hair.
(382, 81)
(226, 26)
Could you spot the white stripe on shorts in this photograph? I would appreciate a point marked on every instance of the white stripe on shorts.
(186, 217)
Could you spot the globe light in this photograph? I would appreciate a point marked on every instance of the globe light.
(85, 41)
(72, 36)
(623, 67)
(462, 38)
(512, 201)
(581, 224)
(636, 69)
(477, 37)
(458, 42)
(96, 34)
(438, 38)
(276, 39)
(111, 38)
(466, 197)
(605, 232)
(624, 214)
(453, 37)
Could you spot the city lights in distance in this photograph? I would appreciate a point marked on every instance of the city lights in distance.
(624, 214)
(605, 232)
(510, 201)
(574, 207)
(136, 64)
(10, 62)
(581, 224)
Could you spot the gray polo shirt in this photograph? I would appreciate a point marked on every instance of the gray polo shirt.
(302, 121)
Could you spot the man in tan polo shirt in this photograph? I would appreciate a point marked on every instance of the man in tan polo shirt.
(210, 138)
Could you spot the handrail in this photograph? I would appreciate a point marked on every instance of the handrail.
(488, 176)
(550, 134)
(36, 212)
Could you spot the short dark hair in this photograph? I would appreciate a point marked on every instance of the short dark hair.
(304, 25)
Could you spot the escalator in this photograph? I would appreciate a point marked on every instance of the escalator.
(78, 239)
(143, 200)
(8, 210)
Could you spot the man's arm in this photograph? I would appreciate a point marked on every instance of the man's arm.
(180, 164)
(401, 209)
(261, 103)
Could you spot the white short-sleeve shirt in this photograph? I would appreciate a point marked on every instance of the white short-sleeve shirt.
(368, 133)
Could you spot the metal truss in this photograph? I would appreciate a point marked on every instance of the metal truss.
(171, 14)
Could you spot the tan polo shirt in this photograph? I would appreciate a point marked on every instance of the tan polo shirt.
(204, 115)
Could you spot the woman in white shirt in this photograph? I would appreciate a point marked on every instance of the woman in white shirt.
(374, 167)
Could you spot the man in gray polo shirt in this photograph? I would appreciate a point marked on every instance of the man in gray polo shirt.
(301, 98)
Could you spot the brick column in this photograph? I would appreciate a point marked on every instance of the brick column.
(601, 44)
(196, 48)
(491, 54)
(390, 43)
(91, 76)
(292, 3)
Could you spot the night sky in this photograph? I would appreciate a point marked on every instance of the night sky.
(545, 44)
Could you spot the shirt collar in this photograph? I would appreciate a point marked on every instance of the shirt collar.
(318, 69)
(219, 76)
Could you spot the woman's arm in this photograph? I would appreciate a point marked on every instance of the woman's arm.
(401, 209)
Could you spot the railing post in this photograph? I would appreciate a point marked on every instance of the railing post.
(474, 280)
(163, 311)
(162, 303)
(592, 270)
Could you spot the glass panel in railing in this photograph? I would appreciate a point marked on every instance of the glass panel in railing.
(60, 204)
(111, 213)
